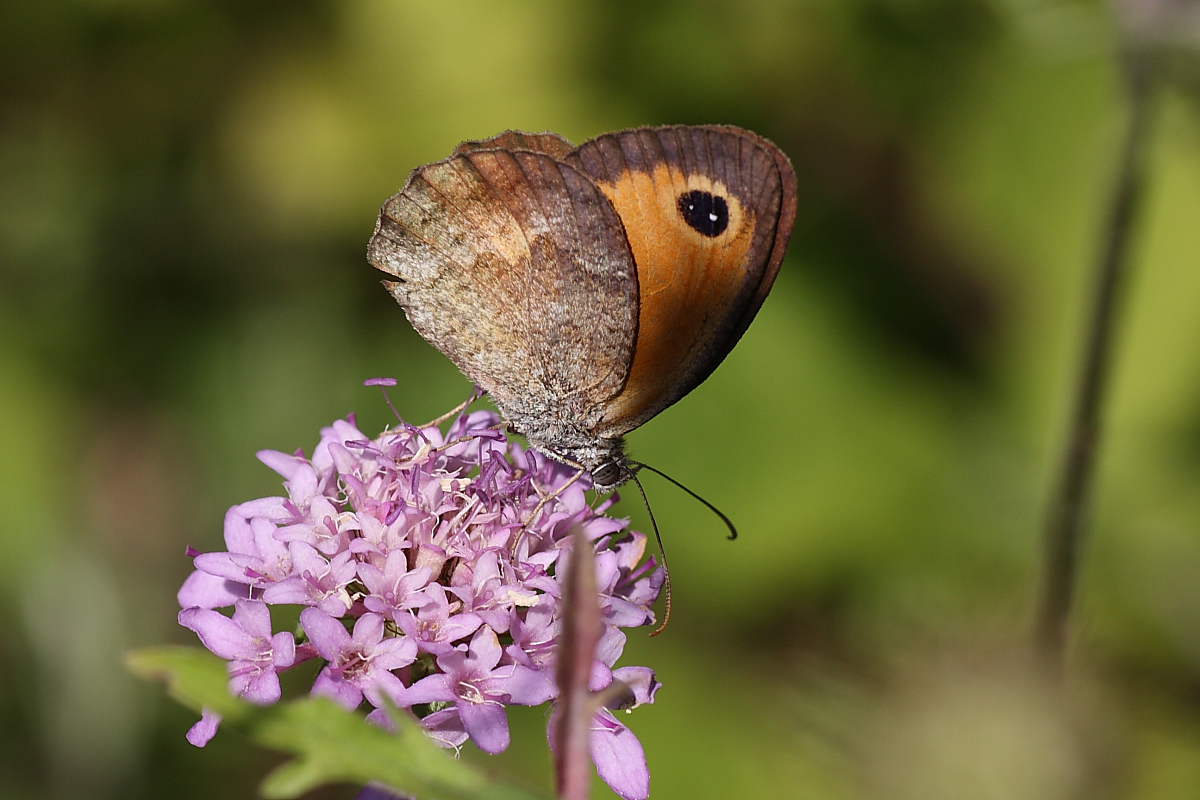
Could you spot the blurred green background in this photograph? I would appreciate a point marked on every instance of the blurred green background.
(186, 197)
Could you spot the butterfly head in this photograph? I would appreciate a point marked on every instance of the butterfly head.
(602, 458)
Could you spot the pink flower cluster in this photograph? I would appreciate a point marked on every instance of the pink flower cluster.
(428, 575)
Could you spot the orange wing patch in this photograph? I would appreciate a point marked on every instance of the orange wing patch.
(688, 281)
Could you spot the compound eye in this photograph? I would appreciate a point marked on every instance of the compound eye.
(606, 474)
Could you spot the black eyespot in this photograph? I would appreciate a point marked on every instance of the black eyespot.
(705, 212)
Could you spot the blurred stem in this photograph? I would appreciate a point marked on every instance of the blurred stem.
(1069, 501)
(581, 633)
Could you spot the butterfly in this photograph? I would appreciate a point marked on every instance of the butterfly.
(588, 288)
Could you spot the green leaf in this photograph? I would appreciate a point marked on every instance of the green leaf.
(330, 744)
(194, 677)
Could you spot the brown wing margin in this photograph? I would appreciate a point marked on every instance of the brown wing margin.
(782, 232)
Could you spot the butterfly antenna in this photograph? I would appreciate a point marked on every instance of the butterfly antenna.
(662, 551)
(733, 534)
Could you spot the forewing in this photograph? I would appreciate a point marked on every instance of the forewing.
(516, 267)
(701, 282)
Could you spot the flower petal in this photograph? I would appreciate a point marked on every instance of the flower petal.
(203, 731)
(205, 590)
(524, 686)
(384, 684)
(285, 464)
(293, 591)
(344, 693)
(445, 727)
(261, 688)
(253, 617)
(429, 689)
(487, 725)
(229, 566)
(399, 651)
(368, 630)
(238, 536)
(641, 680)
(619, 758)
(460, 625)
(325, 633)
(283, 650)
(375, 791)
(485, 650)
(270, 508)
(218, 633)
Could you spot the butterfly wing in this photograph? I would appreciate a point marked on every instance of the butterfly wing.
(549, 143)
(515, 266)
(707, 212)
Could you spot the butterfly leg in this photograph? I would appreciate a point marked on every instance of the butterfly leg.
(502, 428)
(476, 393)
(537, 510)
